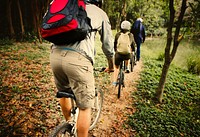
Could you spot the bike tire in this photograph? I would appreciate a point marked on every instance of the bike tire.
(96, 110)
(132, 66)
(62, 130)
(132, 61)
(120, 82)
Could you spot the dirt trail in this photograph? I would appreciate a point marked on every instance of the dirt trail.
(115, 111)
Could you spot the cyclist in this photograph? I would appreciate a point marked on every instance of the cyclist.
(123, 47)
(72, 66)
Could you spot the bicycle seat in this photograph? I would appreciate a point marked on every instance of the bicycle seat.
(61, 94)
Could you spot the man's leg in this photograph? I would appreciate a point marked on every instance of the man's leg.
(127, 62)
(115, 75)
(65, 104)
(138, 51)
(83, 123)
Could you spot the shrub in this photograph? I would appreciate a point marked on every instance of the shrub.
(193, 65)
(161, 56)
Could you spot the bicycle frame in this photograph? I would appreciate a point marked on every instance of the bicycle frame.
(120, 79)
(74, 109)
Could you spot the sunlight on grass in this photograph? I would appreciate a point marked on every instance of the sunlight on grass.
(153, 48)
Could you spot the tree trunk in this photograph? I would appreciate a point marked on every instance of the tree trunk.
(177, 36)
(21, 19)
(9, 17)
(170, 56)
(36, 21)
(161, 85)
(162, 81)
(123, 14)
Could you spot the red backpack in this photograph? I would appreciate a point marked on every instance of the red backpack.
(65, 22)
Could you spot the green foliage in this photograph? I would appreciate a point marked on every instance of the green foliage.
(154, 14)
(161, 57)
(5, 42)
(192, 19)
(178, 115)
(193, 64)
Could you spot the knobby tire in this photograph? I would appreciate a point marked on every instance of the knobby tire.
(120, 82)
(132, 61)
(62, 130)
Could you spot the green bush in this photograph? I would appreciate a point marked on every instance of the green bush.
(161, 56)
(193, 64)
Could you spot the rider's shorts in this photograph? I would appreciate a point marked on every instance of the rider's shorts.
(72, 70)
(120, 57)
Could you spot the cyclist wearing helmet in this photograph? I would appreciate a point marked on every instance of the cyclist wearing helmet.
(123, 47)
(72, 66)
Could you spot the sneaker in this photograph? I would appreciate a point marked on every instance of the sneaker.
(114, 83)
(127, 71)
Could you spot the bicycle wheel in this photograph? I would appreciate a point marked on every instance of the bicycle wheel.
(96, 110)
(132, 61)
(120, 82)
(63, 130)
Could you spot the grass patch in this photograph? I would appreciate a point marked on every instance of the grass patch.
(178, 115)
(187, 56)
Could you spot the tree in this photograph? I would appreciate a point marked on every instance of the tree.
(170, 53)
(9, 17)
(21, 19)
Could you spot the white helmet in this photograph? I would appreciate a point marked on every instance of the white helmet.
(125, 25)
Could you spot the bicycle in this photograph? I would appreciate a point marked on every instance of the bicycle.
(133, 60)
(120, 78)
(68, 128)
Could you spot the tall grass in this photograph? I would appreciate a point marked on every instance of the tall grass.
(188, 52)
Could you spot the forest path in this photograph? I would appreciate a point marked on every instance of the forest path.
(116, 111)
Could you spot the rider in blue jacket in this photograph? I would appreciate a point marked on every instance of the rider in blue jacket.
(138, 31)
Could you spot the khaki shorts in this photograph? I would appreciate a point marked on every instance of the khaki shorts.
(73, 70)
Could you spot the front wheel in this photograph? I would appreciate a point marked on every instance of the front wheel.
(96, 109)
(62, 130)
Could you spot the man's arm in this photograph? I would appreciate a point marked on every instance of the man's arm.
(107, 42)
(143, 33)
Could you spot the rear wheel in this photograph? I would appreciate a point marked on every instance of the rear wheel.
(62, 130)
(120, 82)
(96, 109)
(132, 61)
